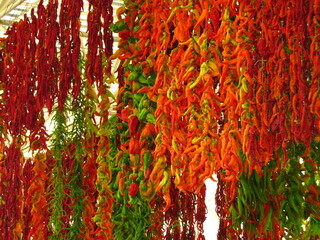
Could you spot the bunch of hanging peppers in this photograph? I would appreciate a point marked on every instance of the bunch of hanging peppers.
(56, 194)
(207, 89)
(229, 88)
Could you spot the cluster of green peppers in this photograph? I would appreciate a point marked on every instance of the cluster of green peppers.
(278, 200)
(131, 210)
(57, 178)
(76, 174)
(66, 183)
(141, 102)
(130, 213)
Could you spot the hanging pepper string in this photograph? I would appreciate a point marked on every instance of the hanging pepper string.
(11, 204)
(27, 174)
(69, 48)
(99, 49)
(105, 197)
(133, 157)
(37, 199)
(47, 63)
(89, 165)
(159, 173)
(19, 81)
(96, 50)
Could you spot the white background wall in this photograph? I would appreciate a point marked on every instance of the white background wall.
(211, 224)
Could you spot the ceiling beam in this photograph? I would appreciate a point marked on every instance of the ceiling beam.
(9, 6)
(5, 22)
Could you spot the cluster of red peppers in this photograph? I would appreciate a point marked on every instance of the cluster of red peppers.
(54, 104)
(207, 89)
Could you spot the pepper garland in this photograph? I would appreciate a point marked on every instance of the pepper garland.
(141, 79)
(52, 198)
(218, 86)
(243, 103)
(98, 201)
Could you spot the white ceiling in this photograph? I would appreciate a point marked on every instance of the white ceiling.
(8, 5)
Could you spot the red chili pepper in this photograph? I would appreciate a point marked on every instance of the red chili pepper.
(133, 189)
(133, 123)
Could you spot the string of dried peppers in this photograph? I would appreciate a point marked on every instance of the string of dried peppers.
(205, 87)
